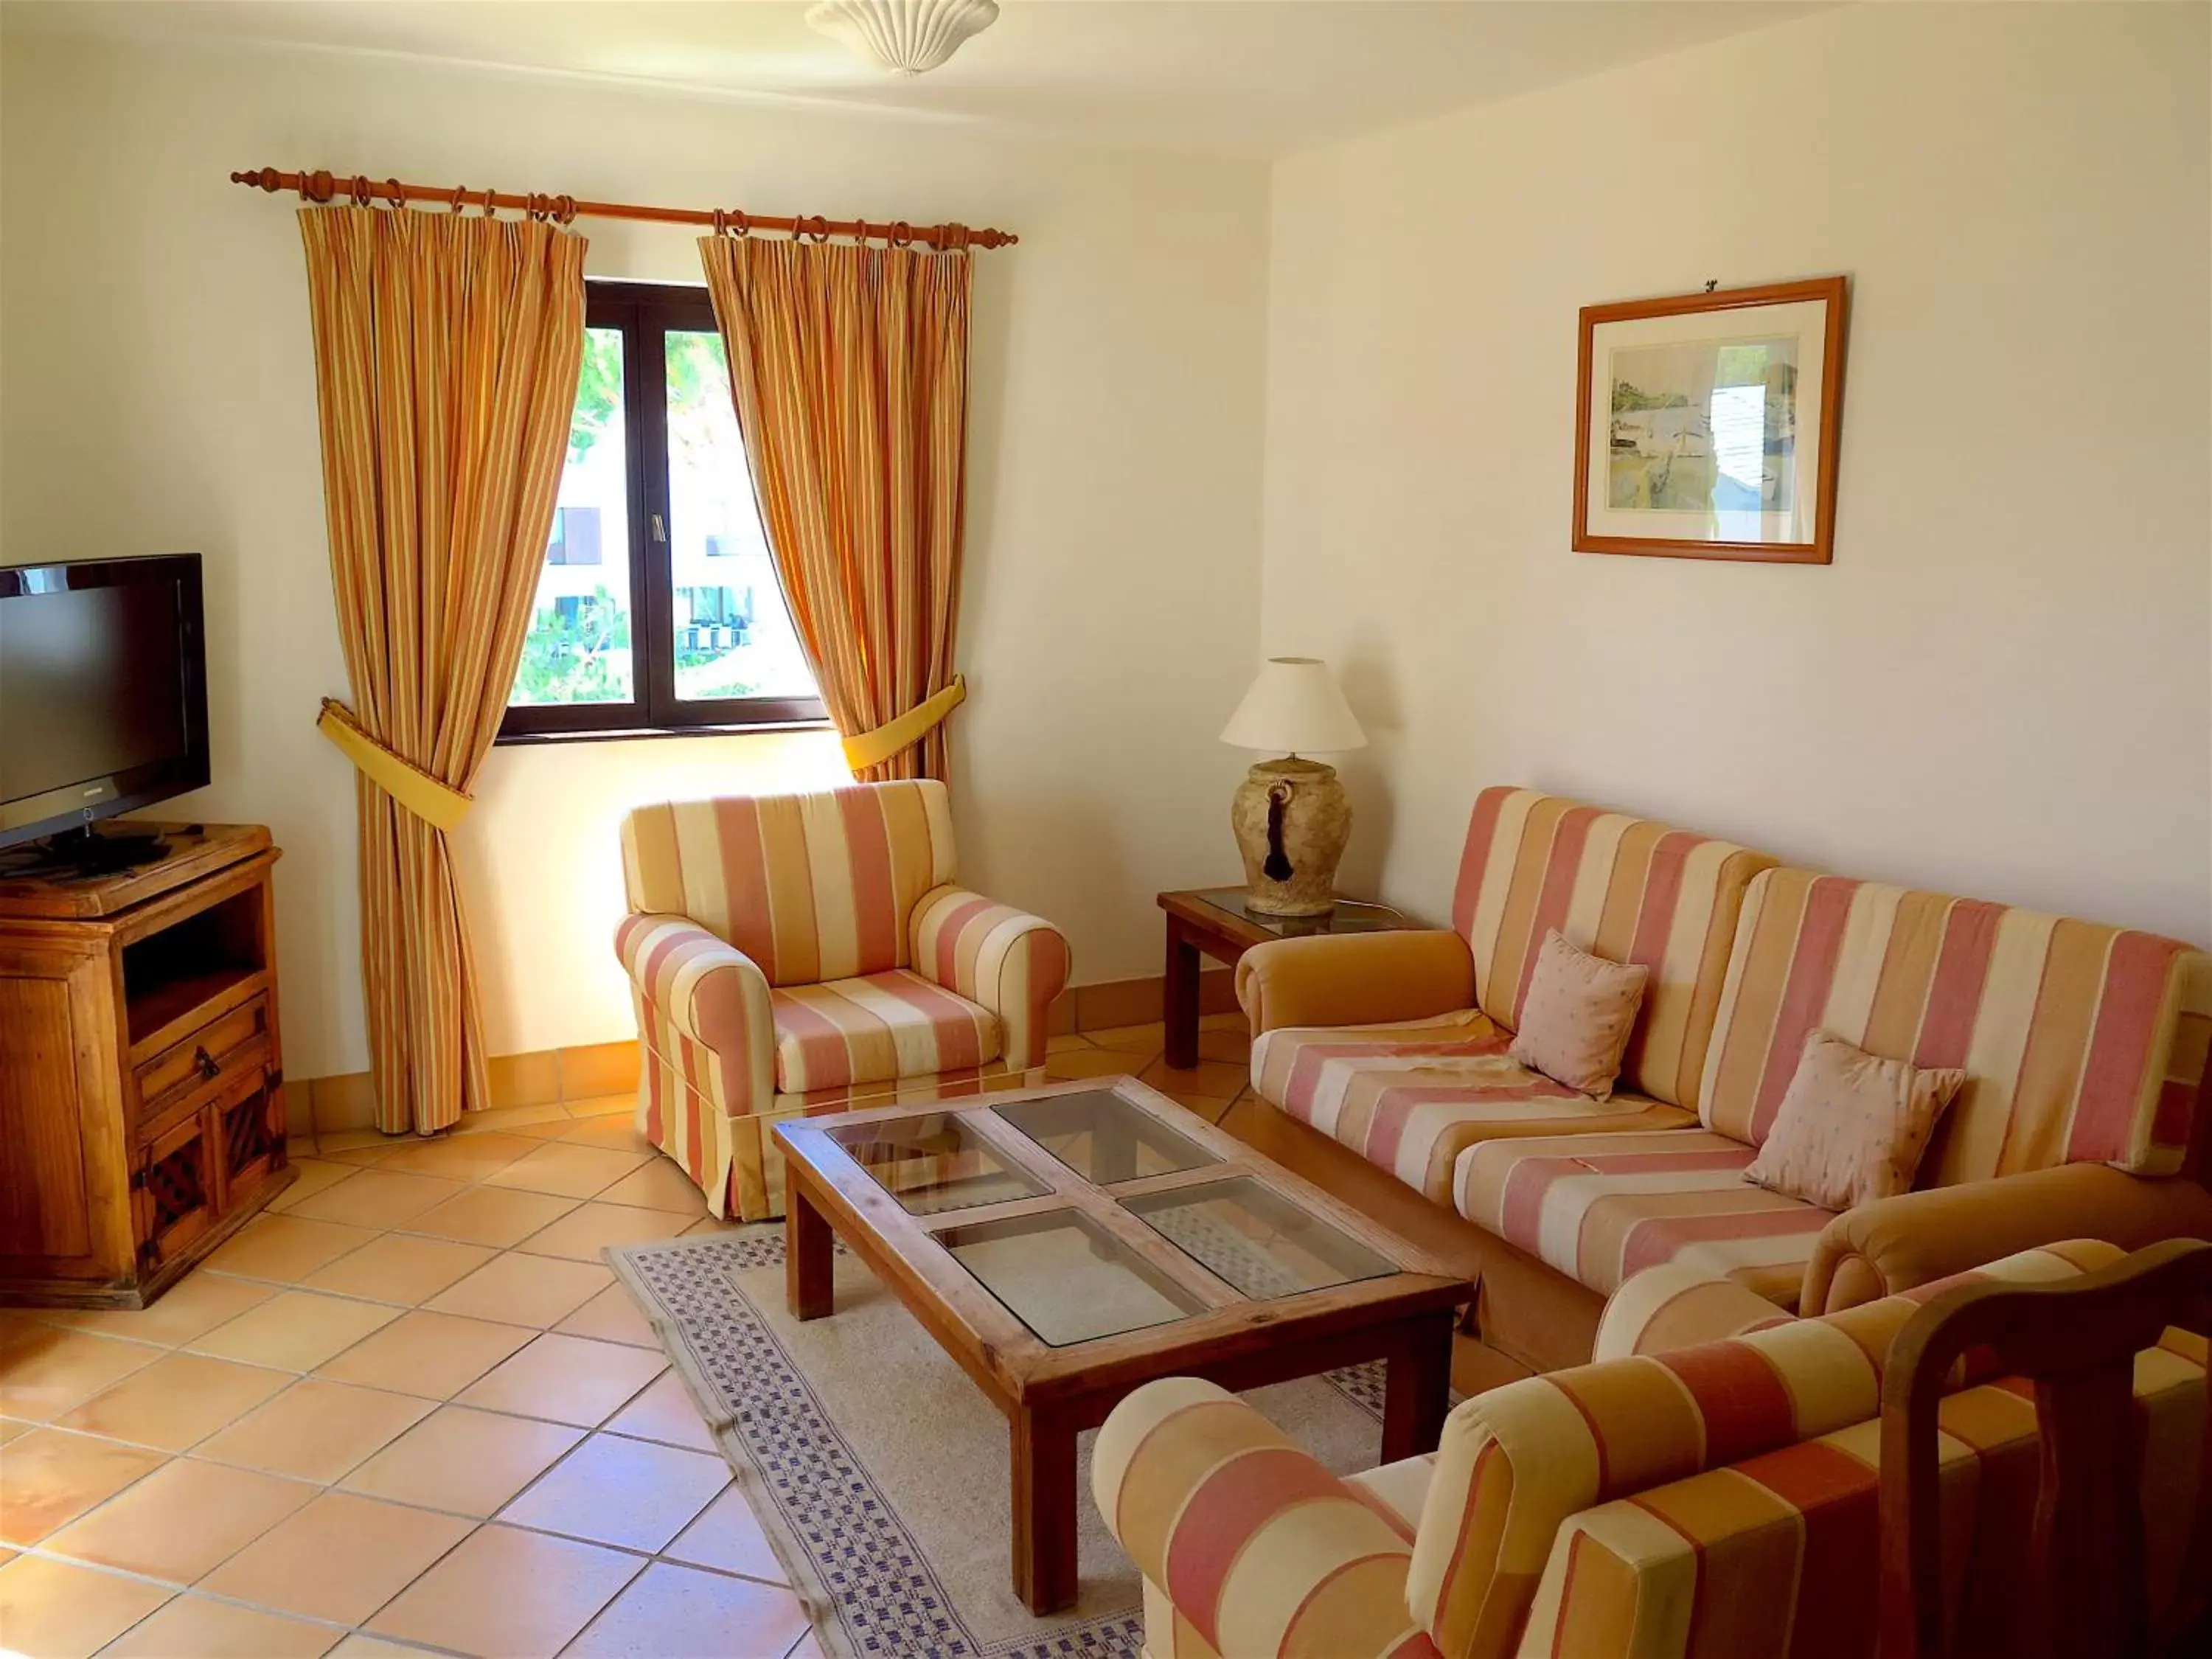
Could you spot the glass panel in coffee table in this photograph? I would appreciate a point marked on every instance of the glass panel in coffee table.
(1068, 1244)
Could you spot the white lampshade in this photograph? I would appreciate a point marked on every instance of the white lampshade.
(1294, 709)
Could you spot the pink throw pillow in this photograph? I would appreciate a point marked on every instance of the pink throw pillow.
(1852, 1125)
(1577, 1015)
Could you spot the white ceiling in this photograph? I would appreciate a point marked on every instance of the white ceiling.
(1249, 77)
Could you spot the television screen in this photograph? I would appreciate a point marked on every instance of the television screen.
(103, 705)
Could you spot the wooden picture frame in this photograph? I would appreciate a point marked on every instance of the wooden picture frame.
(1759, 448)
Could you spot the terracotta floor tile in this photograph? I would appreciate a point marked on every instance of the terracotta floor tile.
(1131, 1039)
(729, 1537)
(399, 1269)
(194, 1305)
(357, 1646)
(55, 1610)
(468, 1461)
(567, 1380)
(10, 1426)
(192, 1625)
(620, 1103)
(810, 1647)
(381, 1197)
(495, 1216)
(1216, 1080)
(316, 1175)
(526, 1290)
(568, 1171)
(528, 1121)
(631, 1493)
(49, 1479)
(670, 1609)
(357, 1141)
(1098, 1062)
(1205, 1106)
(666, 1413)
(433, 1356)
(1234, 1047)
(286, 1248)
(1072, 1042)
(175, 1402)
(612, 1316)
(316, 1431)
(45, 1370)
(458, 1157)
(518, 1595)
(713, 1224)
(660, 1185)
(341, 1558)
(180, 1520)
(295, 1331)
(585, 1230)
(614, 1132)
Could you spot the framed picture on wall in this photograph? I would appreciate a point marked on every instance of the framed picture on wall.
(1706, 424)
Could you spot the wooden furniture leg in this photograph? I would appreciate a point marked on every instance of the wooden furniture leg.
(809, 1256)
(1179, 998)
(1043, 1446)
(1418, 1389)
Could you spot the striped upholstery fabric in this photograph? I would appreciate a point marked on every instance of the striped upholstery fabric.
(867, 1031)
(1601, 1207)
(811, 887)
(1517, 1463)
(804, 954)
(1261, 1553)
(1626, 889)
(2082, 1044)
(1411, 1098)
(1675, 1306)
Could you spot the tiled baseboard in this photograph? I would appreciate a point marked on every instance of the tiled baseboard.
(328, 1105)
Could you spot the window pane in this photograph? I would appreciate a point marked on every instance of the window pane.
(578, 649)
(733, 636)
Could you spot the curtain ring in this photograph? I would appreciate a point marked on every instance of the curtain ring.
(814, 227)
(362, 193)
(721, 222)
(397, 191)
(564, 209)
(741, 224)
(860, 233)
(901, 233)
(460, 194)
(490, 207)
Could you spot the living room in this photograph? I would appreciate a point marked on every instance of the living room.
(1288, 360)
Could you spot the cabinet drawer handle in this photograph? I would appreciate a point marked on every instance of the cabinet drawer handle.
(205, 1062)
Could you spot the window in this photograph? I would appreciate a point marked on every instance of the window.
(657, 609)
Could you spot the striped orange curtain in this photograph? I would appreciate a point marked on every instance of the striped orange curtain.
(446, 354)
(849, 369)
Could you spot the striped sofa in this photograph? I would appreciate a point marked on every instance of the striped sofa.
(2085, 1047)
(1696, 1492)
(792, 954)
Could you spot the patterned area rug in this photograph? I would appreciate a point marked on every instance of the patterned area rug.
(880, 1472)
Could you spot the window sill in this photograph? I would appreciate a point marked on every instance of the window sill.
(635, 733)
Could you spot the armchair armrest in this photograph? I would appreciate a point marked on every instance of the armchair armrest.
(1899, 1243)
(1262, 1549)
(710, 993)
(1673, 1306)
(1355, 979)
(1007, 960)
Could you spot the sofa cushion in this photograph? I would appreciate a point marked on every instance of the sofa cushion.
(873, 1029)
(1601, 1207)
(1626, 889)
(1852, 1127)
(1577, 1016)
(2082, 1044)
(1411, 1098)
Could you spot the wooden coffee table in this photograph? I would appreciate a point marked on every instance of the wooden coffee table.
(1070, 1243)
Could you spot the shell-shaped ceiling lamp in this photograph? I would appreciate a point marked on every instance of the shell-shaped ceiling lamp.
(906, 37)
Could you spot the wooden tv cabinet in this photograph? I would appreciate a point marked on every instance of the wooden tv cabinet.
(142, 1079)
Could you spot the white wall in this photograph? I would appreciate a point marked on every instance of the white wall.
(2002, 685)
(157, 393)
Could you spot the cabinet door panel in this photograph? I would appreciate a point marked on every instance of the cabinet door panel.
(62, 1198)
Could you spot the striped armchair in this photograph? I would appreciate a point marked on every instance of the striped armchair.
(796, 954)
(1717, 1498)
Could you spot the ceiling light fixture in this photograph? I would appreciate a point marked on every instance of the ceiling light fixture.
(906, 37)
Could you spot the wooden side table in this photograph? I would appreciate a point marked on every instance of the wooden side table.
(1213, 919)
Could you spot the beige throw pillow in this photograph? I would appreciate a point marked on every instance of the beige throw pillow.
(1852, 1125)
(1576, 1018)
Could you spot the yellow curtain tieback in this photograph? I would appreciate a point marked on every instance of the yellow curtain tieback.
(868, 749)
(429, 799)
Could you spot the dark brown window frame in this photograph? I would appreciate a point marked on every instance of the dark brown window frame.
(645, 312)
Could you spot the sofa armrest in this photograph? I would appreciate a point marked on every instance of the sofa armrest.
(1673, 1306)
(1355, 979)
(709, 992)
(1007, 960)
(1259, 1548)
(1899, 1243)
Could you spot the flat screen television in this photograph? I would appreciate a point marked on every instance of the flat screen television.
(103, 702)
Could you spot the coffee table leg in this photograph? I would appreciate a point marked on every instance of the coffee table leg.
(809, 1257)
(1180, 998)
(1044, 1511)
(1418, 1388)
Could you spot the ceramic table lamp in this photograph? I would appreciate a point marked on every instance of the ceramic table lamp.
(1290, 814)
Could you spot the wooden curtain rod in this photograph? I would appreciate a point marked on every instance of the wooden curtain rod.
(363, 192)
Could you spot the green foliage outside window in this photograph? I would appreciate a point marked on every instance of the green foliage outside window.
(585, 659)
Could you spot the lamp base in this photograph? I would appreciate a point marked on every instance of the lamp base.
(1292, 818)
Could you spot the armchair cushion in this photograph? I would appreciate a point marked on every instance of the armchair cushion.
(1007, 961)
(1356, 979)
(1678, 1306)
(1410, 1099)
(874, 1029)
